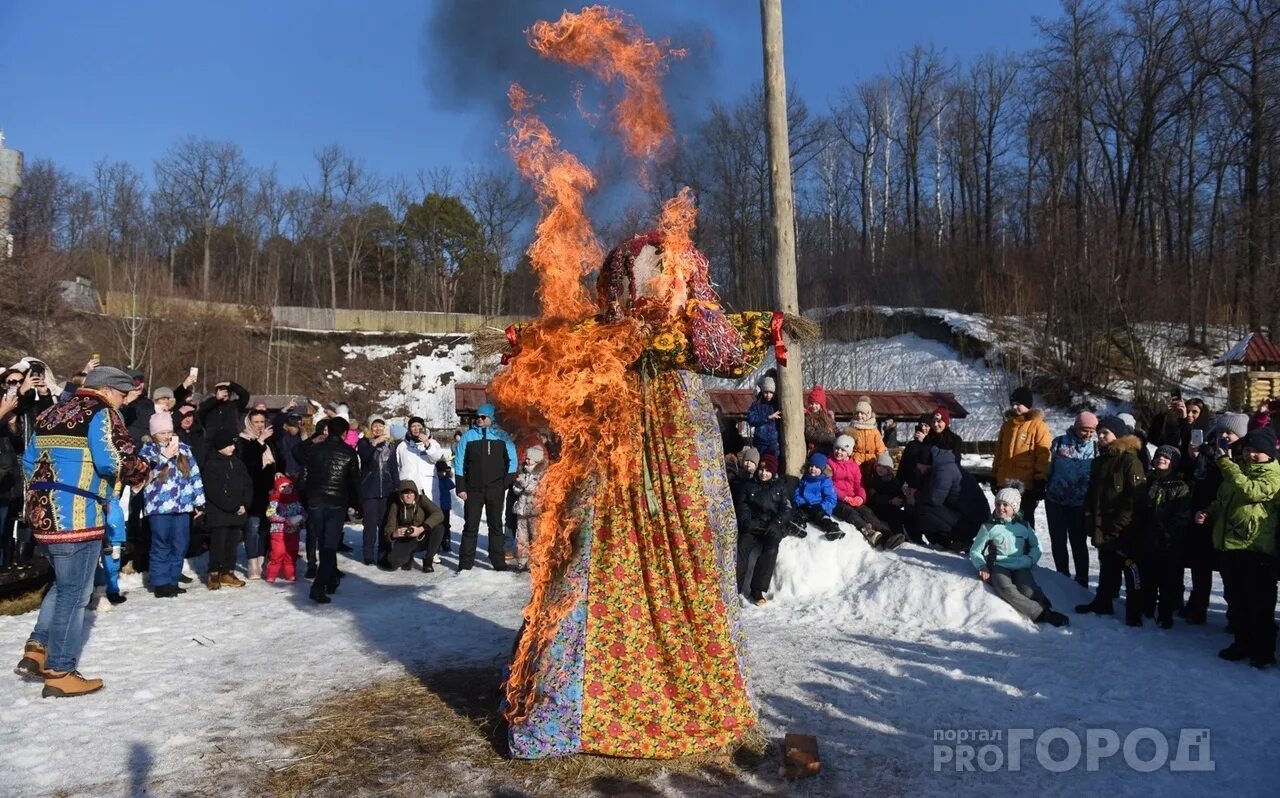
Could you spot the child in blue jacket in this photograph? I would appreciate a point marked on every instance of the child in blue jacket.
(763, 416)
(1005, 551)
(815, 499)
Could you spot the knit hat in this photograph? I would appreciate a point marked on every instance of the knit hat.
(1086, 420)
(845, 444)
(1011, 495)
(750, 454)
(818, 396)
(185, 410)
(1237, 423)
(374, 418)
(108, 377)
(942, 414)
(417, 420)
(161, 422)
(162, 393)
(221, 439)
(1130, 422)
(1113, 424)
(1170, 452)
(885, 459)
(864, 406)
(535, 453)
(769, 462)
(1261, 440)
(1022, 396)
(818, 460)
(487, 410)
(767, 385)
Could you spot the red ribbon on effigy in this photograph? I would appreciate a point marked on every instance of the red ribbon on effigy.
(515, 345)
(779, 348)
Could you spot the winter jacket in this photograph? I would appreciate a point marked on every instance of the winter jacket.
(444, 472)
(486, 457)
(948, 485)
(1169, 429)
(378, 475)
(1015, 545)
(284, 504)
(766, 429)
(262, 469)
(286, 447)
(817, 491)
(419, 464)
(819, 430)
(10, 467)
(227, 487)
(847, 477)
(1164, 515)
(194, 439)
(763, 508)
(908, 474)
(169, 491)
(331, 474)
(80, 450)
(226, 416)
(948, 440)
(881, 491)
(1244, 513)
(867, 443)
(1022, 450)
(422, 512)
(526, 489)
(137, 417)
(1115, 487)
(1070, 463)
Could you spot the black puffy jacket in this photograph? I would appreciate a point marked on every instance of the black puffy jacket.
(764, 508)
(1164, 514)
(331, 474)
(226, 416)
(227, 487)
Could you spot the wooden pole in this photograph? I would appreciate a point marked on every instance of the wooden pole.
(790, 384)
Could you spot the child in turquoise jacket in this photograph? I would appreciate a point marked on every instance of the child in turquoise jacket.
(1005, 551)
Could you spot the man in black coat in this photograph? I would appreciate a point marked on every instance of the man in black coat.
(764, 510)
(331, 475)
(485, 464)
(228, 492)
(222, 411)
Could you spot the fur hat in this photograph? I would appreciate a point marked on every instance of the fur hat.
(942, 414)
(1232, 422)
(885, 459)
(1170, 452)
(845, 444)
(1113, 424)
(1011, 494)
(1086, 420)
(108, 377)
(161, 422)
(769, 462)
(767, 385)
(535, 453)
(1022, 396)
(818, 460)
(1262, 440)
(750, 454)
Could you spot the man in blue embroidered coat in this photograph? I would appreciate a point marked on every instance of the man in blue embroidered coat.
(80, 451)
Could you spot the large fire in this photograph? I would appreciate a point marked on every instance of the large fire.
(570, 373)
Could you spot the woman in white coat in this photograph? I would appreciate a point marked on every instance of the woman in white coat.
(416, 459)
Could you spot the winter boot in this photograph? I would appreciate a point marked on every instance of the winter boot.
(833, 534)
(98, 601)
(873, 536)
(828, 524)
(894, 541)
(1096, 607)
(214, 580)
(1054, 618)
(1261, 661)
(229, 579)
(116, 598)
(31, 666)
(66, 684)
(254, 568)
(797, 529)
(1233, 653)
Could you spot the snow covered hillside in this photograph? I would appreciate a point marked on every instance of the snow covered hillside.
(877, 654)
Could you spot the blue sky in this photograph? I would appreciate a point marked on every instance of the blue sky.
(84, 79)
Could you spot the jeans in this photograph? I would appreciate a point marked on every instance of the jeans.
(375, 509)
(170, 535)
(60, 625)
(326, 521)
(1066, 525)
(255, 537)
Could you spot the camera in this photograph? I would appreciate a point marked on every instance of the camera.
(36, 370)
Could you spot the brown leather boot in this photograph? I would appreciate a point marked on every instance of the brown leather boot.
(66, 684)
(213, 581)
(229, 579)
(31, 666)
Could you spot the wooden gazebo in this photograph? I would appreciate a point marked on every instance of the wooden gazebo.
(1259, 378)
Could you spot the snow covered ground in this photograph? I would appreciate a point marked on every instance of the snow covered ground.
(877, 654)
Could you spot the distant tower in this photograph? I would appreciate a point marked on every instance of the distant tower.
(10, 182)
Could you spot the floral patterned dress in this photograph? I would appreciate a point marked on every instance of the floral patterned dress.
(649, 661)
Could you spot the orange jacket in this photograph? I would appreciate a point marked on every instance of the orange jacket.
(1022, 451)
(867, 443)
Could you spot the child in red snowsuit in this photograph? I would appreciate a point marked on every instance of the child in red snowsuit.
(285, 514)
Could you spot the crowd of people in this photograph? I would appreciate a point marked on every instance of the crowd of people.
(1196, 492)
(104, 477)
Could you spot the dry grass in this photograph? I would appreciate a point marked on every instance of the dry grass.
(441, 734)
(25, 602)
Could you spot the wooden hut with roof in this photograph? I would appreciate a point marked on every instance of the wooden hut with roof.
(1259, 377)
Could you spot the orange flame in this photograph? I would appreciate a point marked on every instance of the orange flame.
(670, 287)
(573, 373)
